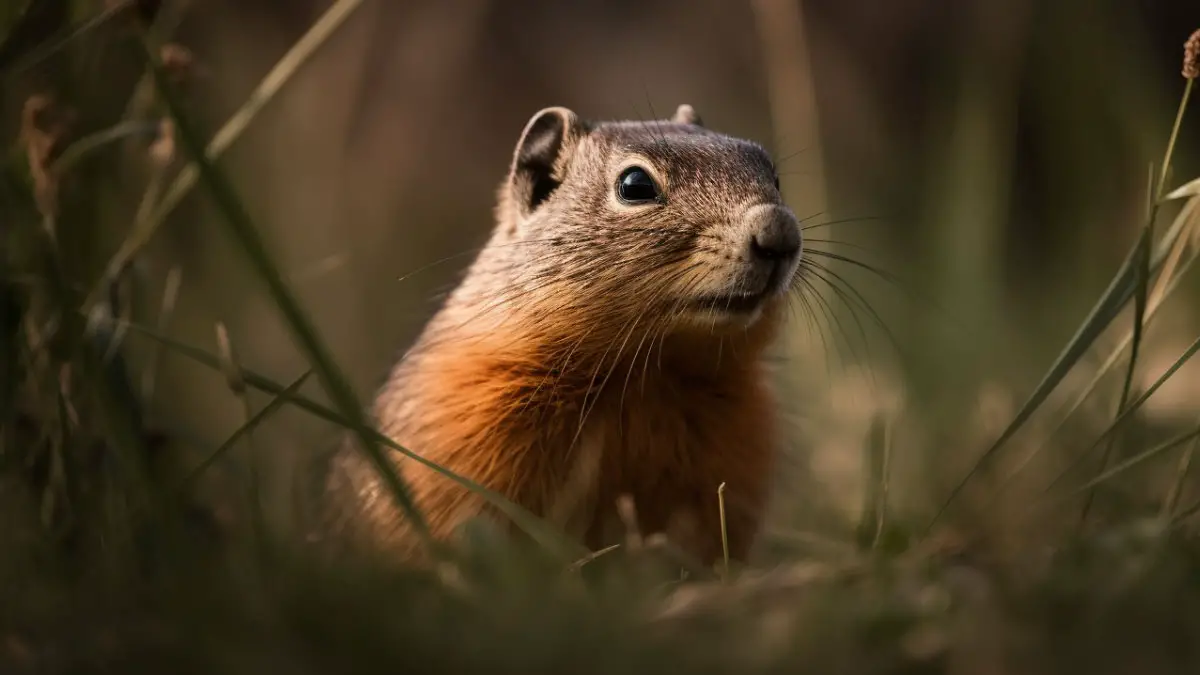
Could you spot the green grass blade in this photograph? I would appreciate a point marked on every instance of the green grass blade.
(1171, 501)
(1134, 461)
(1133, 407)
(13, 64)
(264, 93)
(541, 532)
(1139, 315)
(1107, 308)
(255, 420)
(1119, 292)
(34, 27)
(235, 216)
(119, 409)
(1164, 289)
(1148, 267)
(1166, 167)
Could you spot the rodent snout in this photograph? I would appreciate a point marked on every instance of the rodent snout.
(774, 234)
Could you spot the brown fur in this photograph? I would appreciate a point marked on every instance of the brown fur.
(571, 366)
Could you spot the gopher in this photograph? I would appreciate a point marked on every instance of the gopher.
(606, 342)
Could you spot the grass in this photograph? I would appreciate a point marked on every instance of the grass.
(117, 560)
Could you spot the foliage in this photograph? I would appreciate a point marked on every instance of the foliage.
(116, 559)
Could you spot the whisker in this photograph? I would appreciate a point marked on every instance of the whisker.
(865, 305)
(843, 221)
(654, 295)
(819, 273)
(835, 324)
(580, 276)
(594, 392)
(476, 250)
(886, 276)
(558, 370)
(793, 155)
(836, 242)
(803, 300)
(816, 321)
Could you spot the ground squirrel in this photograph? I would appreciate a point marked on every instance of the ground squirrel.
(606, 341)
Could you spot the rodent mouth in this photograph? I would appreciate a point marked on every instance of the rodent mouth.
(742, 303)
(734, 303)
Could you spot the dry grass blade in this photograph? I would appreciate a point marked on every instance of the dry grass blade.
(248, 426)
(582, 562)
(1168, 282)
(1107, 308)
(235, 216)
(166, 311)
(724, 533)
(1140, 307)
(266, 90)
(1134, 273)
(82, 147)
(237, 385)
(878, 450)
(1189, 189)
(1134, 406)
(1166, 167)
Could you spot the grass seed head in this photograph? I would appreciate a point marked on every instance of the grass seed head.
(1191, 56)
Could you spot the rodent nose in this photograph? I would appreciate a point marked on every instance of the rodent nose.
(775, 233)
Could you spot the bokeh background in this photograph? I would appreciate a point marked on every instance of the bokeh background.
(990, 156)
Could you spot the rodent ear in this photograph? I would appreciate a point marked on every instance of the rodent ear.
(686, 114)
(542, 157)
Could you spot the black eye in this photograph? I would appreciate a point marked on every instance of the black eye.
(776, 183)
(635, 186)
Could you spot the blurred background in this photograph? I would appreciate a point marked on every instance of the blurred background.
(989, 157)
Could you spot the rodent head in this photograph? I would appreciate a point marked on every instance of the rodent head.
(662, 219)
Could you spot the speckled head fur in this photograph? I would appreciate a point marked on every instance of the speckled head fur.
(669, 216)
(661, 222)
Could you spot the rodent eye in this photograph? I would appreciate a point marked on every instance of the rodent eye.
(635, 186)
(777, 183)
